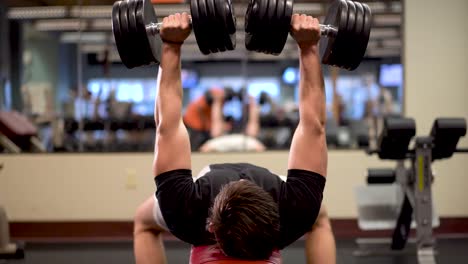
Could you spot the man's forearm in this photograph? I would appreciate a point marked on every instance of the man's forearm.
(217, 121)
(169, 107)
(311, 91)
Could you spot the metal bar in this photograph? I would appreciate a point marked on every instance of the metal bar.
(325, 30)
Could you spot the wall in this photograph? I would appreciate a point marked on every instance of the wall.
(436, 60)
(94, 187)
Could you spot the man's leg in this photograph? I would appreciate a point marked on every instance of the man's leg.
(148, 242)
(320, 244)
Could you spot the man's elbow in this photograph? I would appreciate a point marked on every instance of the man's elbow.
(314, 122)
(167, 126)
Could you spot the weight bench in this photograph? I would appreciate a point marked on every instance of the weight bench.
(18, 134)
(213, 255)
(413, 185)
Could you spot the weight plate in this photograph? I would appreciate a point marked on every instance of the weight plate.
(261, 35)
(117, 30)
(141, 35)
(206, 25)
(223, 12)
(251, 25)
(337, 16)
(355, 38)
(231, 21)
(126, 37)
(343, 46)
(231, 24)
(197, 26)
(255, 34)
(271, 34)
(278, 24)
(155, 42)
(216, 26)
(137, 54)
(251, 16)
(285, 27)
(364, 37)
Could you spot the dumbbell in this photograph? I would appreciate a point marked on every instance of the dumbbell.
(136, 29)
(345, 32)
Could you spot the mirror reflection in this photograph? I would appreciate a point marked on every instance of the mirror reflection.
(63, 83)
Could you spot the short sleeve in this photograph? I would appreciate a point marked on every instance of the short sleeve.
(299, 204)
(183, 206)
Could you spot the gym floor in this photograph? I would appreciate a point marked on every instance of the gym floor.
(451, 251)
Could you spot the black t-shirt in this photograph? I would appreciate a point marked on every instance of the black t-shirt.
(185, 204)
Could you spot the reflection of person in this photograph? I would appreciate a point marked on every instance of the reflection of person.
(198, 117)
(222, 141)
(253, 211)
(364, 97)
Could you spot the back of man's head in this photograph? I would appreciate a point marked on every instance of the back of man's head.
(245, 221)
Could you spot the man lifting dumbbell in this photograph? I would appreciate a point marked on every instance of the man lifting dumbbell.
(203, 116)
(246, 210)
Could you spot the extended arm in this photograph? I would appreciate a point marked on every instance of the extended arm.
(309, 148)
(172, 145)
(253, 124)
(217, 122)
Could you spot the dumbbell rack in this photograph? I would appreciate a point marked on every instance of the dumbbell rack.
(415, 182)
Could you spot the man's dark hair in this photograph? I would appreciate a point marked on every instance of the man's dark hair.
(245, 221)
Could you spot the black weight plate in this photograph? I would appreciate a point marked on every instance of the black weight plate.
(279, 23)
(252, 20)
(285, 27)
(126, 36)
(355, 38)
(342, 52)
(259, 27)
(198, 28)
(223, 11)
(337, 16)
(231, 17)
(215, 23)
(155, 42)
(272, 35)
(141, 36)
(231, 24)
(137, 54)
(364, 37)
(265, 34)
(251, 16)
(205, 22)
(116, 29)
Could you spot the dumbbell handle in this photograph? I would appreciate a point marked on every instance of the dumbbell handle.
(325, 30)
(328, 31)
(154, 28)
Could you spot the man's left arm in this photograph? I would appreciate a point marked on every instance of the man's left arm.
(172, 144)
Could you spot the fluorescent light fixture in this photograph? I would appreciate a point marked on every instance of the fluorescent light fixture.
(86, 37)
(58, 25)
(36, 12)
